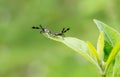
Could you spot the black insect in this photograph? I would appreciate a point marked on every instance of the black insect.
(43, 30)
(62, 32)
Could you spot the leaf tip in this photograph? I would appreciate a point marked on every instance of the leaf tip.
(96, 21)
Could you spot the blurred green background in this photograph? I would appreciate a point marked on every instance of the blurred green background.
(26, 53)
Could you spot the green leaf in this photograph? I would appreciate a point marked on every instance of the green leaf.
(111, 48)
(93, 50)
(76, 44)
(107, 50)
(110, 69)
(116, 69)
(100, 46)
(112, 54)
(111, 37)
(94, 55)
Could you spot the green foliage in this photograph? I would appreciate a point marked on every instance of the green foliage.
(112, 45)
(111, 37)
(108, 42)
(21, 47)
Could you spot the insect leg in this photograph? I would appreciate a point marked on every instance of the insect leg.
(41, 27)
(35, 27)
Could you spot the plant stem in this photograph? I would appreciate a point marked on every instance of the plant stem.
(103, 75)
(103, 70)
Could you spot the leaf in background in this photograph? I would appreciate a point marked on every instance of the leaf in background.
(107, 49)
(110, 34)
(112, 38)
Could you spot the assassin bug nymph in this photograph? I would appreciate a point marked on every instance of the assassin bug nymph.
(43, 30)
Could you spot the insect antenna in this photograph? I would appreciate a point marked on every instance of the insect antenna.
(35, 27)
(65, 30)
